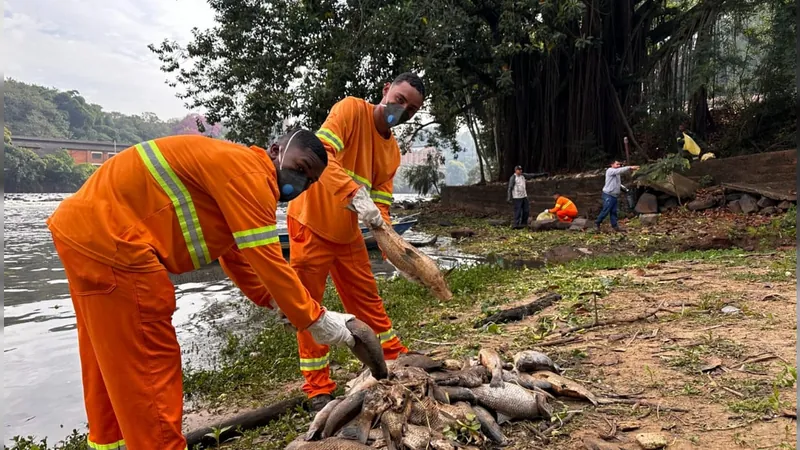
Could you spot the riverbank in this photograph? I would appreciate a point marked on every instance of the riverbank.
(732, 371)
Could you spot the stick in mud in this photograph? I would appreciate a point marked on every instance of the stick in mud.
(521, 312)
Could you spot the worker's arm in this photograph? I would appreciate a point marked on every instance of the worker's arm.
(510, 188)
(557, 207)
(620, 170)
(244, 277)
(248, 204)
(335, 136)
(530, 176)
(382, 196)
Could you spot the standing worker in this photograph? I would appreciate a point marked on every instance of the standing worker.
(323, 223)
(611, 191)
(172, 205)
(564, 210)
(518, 193)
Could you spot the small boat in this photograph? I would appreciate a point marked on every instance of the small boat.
(400, 227)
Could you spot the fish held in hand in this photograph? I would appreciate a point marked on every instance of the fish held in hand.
(317, 425)
(513, 402)
(411, 261)
(492, 361)
(530, 361)
(368, 348)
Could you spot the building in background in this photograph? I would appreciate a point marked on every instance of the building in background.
(92, 152)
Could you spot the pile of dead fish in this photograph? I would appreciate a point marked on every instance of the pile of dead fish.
(440, 404)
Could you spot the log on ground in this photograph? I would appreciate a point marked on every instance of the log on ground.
(521, 312)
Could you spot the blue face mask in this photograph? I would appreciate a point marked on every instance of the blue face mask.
(291, 183)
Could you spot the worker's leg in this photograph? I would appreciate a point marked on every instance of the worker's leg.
(607, 202)
(517, 211)
(564, 216)
(127, 320)
(311, 257)
(613, 212)
(526, 211)
(355, 283)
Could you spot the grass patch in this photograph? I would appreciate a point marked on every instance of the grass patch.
(75, 441)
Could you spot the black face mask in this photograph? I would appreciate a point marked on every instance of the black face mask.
(395, 114)
(291, 184)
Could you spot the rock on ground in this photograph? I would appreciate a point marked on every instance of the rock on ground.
(701, 204)
(769, 210)
(549, 224)
(649, 220)
(735, 207)
(669, 203)
(651, 441)
(748, 204)
(765, 202)
(462, 233)
(784, 205)
(647, 204)
(579, 224)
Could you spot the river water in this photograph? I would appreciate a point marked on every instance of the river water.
(42, 391)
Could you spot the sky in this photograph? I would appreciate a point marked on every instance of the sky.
(99, 48)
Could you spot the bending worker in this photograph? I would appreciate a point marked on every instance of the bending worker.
(324, 231)
(172, 205)
(565, 210)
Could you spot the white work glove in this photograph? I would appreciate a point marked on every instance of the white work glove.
(331, 329)
(369, 214)
(546, 210)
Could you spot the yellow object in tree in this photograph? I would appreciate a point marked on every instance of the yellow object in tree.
(690, 145)
(707, 156)
(545, 216)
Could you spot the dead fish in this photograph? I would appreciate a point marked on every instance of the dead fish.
(425, 363)
(416, 437)
(471, 377)
(452, 364)
(344, 412)
(368, 348)
(458, 394)
(375, 403)
(417, 265)
(566, 387)
(425, 412)
(438, 393)
(442, 444)
(326, 444)
(530, 361)
(315, 430)
(492, 361)
(489, 426)
(452, 413)
(529, 382)
(513, 402)
(375, 434)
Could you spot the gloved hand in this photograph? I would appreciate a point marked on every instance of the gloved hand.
(546, 210)
(331, 329)
(369, 214)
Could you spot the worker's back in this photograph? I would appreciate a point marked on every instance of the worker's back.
(162, 203)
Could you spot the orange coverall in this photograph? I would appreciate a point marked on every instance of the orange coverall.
(565, 210)
(325, 237)
(169, 205)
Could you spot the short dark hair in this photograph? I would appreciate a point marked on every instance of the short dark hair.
(556, 193)
(413, 79)
(518, 168)
(307, 140)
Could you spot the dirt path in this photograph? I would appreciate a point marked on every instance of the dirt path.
(722, 368)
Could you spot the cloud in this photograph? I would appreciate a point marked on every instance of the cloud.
(99, 48)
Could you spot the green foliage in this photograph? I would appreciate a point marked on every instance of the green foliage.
(455, 173)
(425, 178)
(75, 441)
(25, 171)
(660, 170)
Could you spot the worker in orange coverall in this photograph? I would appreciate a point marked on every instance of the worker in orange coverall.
(172, 205)
(565, 210)
(323, 223)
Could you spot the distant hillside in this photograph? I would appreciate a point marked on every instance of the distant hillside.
(38, 111)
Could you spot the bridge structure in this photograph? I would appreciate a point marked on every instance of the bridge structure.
(92, 152)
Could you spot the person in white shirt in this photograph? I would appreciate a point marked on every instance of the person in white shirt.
(611, 191)
(518, 195)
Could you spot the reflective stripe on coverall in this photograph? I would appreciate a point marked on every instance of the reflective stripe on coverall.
(565, 210)
(167, 205)
(325, 237)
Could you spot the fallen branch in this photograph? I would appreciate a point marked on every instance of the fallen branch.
(732, 427)
(560, 424)
(637, 402)
(252, 419)
(554, 342)
(665, 280)
(521, 312)
(603, 323)
(433, 343)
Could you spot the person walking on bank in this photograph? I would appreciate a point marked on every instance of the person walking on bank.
(611, 191)
(518, 195)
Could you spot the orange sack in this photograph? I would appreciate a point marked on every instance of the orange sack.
(168, 205)
(325, 236)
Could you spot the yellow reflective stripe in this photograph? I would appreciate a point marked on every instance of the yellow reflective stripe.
(331, 138)
(387, 336)
(566, 205)
(159, 168)
(256, 237)
(359, 179)
(119, 445)
(308, 364)
(382, 197)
